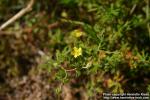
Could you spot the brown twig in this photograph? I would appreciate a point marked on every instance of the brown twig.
(53, 25)
(18, 15)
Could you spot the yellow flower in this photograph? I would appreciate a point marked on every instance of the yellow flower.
(64, 14)
(76, 52)
(77, 33)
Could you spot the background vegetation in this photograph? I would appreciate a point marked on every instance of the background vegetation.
(74, 49)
